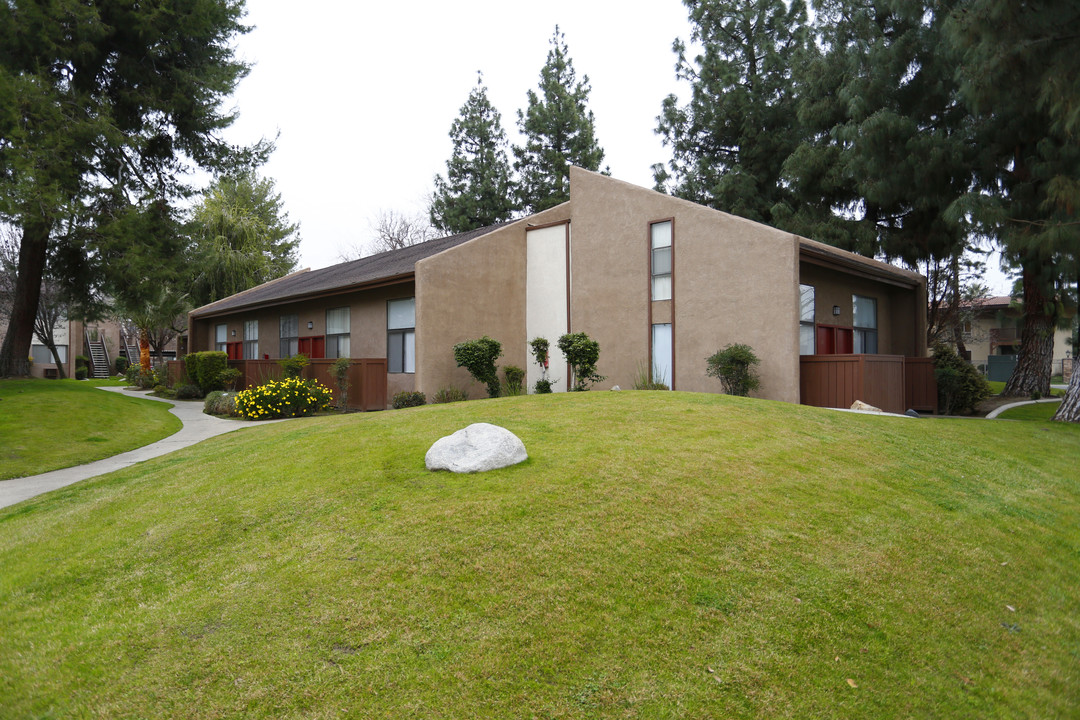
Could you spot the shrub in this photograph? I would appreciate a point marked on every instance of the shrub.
(449, 395)
(292, 367)
(220, 403)
(407, 399)
(228, 378)
(960, 385)
(204, 369)
(515, 378)
(188, 391)
(478, 357)
(146, 380)
(121, 365)
(132, 374)
(80, 372)
(734, 366)
(290, 397)
(542, 386)
(582, 353)
(339, 370)
(81, 361)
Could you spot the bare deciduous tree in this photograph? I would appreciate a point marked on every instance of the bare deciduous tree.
(391, 230)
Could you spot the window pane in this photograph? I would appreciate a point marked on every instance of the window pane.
(337, 321)
(806, 303)
(251, 349)
(401, 314)
(865, 341)
(806, 339)
(251, 329)
(661, 353)
(395, 352)
(410, 352)
(661, 261)
(220, 334)
(41, 355)
(661, 234)
(661, 287)
(865, 310)
(342, 346)
(290, 326)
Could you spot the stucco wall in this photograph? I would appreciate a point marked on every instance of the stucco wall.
(899, 329)
(734, 281)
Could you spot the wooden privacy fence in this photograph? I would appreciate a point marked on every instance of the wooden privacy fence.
(367, 378)
(891, 382)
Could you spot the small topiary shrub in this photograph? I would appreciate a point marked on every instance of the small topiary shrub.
(478, 357)
(542, 386)
(515, 379)
(204, 369)
(407, 399)
(734, 366)
(539, 347)
(582, 353)
(80, 373)
(187, 391)
(121, 365)
(220, 402)
(960, 384)
(228, 378)
(292, 367)
(291, 397)
(81, 361)
(449, 395)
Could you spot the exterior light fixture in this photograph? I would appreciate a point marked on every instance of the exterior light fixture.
(234, 333)
(835, 309)
(309, 325)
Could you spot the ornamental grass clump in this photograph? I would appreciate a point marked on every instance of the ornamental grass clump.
(291, 397)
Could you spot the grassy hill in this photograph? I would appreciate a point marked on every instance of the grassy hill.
(660, 555)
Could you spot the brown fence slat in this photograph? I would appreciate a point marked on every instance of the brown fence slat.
(839, 380)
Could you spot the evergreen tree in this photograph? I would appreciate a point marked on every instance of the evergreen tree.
(559, 131)
(241, 237)
(104, 105)
(1018, 69)
(477, 191)
(730, 141)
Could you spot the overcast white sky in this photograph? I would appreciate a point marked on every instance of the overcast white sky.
(363, 94)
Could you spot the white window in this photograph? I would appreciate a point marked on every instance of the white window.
(43, 356)
(337, 333)
(806, 320)
(221, 337)
(289, 334)
(401, 336)
(661, 260)
(865, 312)
(661, 353)
(251, 339)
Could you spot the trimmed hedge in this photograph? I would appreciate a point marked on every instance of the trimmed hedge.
(205, 368)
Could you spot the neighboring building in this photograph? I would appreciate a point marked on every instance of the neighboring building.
(658, 281)
(994, 331)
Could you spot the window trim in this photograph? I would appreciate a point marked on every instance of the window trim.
(812, 322)
(860, 333)
(652, 252)
(401, 335)
(336, 342)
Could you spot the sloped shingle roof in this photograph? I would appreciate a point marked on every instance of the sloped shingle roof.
(356, 273)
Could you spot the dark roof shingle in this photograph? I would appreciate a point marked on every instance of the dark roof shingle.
(385, 265)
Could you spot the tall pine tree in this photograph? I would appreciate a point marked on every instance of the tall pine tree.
(559, 131)
(1018, 69)
(729, 142)
(104, 106)
(477, 189)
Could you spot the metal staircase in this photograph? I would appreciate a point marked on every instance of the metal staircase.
(131, 350)
(99, 356)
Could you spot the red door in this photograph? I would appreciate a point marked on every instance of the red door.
(834, 340)
(314, 347)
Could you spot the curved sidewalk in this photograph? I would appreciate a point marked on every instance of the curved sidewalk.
(197, 426)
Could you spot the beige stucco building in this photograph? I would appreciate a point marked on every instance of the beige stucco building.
(659, 282)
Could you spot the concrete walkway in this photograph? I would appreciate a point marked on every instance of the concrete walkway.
(998, 410)
(198, 426)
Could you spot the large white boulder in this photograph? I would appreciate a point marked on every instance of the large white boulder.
(479, 447)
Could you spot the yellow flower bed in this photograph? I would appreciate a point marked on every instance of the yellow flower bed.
(291, 397)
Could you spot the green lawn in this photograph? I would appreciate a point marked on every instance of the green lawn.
(51, 424)
(1040, 411)
(996, 386)
(660, 555)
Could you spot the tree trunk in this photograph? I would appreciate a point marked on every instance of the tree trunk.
(144, 351)
(1070, 406)
(957, 319)
(56, 358)
(15, 352)
(1036, 359)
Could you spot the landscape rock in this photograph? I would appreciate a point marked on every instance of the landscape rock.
(860, 405)
(477, 448)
